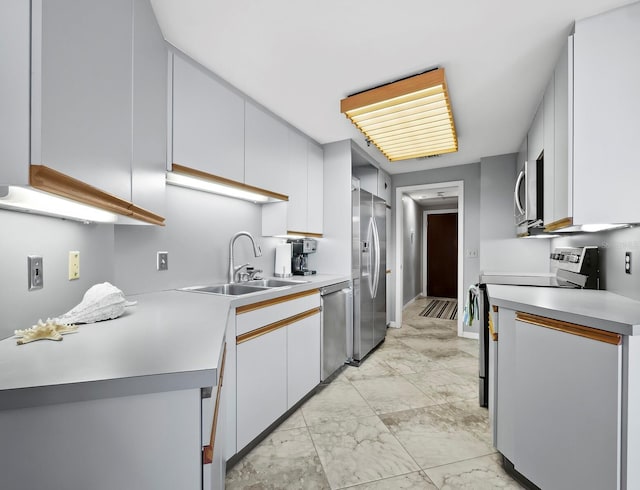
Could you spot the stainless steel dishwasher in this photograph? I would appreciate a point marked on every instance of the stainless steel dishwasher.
(337, 326)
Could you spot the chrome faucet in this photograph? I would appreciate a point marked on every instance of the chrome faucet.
(256, 251)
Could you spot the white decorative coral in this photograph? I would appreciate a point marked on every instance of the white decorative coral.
(100, 302)
(49, 330)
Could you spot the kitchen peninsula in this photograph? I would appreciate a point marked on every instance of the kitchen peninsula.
(131, 399)
(566, 366)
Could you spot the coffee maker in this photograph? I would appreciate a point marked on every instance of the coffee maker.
(301, 249)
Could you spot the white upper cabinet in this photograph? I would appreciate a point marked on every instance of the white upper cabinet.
(85, 94)
(82, 91)
(548, 110)
(298, 183)
(535, 136)
(14, 91)
(384, 186)
(315, 188)
(266, 150)
(208, 122)
(561, 157)
(606, 117)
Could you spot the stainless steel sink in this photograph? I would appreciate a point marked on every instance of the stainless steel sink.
(226, 289)
(272, 283)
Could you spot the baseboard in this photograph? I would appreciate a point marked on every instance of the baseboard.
(411, 301)
(470, 335)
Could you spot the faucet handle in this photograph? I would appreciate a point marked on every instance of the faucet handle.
(236, 272)
(253, 273)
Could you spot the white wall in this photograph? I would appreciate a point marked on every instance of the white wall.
(334, 249)
(199, 227)
(412, 250)
(52, 238)
(470, 175)
(500, 250)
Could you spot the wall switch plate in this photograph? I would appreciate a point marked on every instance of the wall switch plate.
(627, 262)
(163, 261)
(36, 272)
(74, 265)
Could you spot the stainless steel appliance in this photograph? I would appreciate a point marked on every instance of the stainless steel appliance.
(368, 272)
(575, 267)
(337, 325)
(528, 195)
(299, 259)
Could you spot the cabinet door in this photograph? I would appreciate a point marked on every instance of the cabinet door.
(14, 91)
(149, 110)
(208, 122)
(298, 183)
(506, 404)
(561, 159)
(303, 358)
(266, 150)
(568, 408)
(548, 113)
(261, 384)
(82, 91)
(315, 189)
(535, 136)
(606, 117)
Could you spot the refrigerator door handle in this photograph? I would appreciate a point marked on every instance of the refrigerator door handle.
(369, 259)
(376, 241)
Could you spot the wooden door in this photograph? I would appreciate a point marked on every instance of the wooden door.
(442, 255)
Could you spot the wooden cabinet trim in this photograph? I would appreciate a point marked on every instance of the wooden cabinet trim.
(558, 225)
(571, 328)
(492, 331)
(49, 180)
(305, 233)
(275, 326)
(207, 451)
(274, 301)
(199, 174)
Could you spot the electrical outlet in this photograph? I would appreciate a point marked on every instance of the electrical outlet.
(74, 265)
(627, 262)
(472, 254)
(163, 261)
(36, 272)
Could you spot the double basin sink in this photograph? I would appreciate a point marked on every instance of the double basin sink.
(240, 288)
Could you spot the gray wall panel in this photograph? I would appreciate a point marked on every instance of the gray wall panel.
(412, 250)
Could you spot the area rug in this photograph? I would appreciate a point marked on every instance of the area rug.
(446, 309)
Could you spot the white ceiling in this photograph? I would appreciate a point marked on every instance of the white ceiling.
(436, 197)
(299, 58)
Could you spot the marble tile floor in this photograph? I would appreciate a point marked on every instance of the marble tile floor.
(407, 418)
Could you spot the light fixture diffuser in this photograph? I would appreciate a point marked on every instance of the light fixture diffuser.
(410, 118)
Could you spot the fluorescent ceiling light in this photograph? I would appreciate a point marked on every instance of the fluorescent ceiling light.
(202, 181)
(31, 201)
(410, 118)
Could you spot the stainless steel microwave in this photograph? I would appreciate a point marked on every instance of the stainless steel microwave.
(528, 194)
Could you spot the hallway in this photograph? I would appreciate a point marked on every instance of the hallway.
(407, 418)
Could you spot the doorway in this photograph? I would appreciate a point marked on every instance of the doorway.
(444, 189)
(441, 257)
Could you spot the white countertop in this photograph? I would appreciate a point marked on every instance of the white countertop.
(170, 340)
(599, 309)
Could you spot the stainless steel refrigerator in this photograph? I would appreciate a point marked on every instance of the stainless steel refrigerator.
(369, 272)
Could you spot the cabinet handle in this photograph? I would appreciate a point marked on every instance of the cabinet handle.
(274, 301)
(571, 328)
(275, 326)
(207, 451)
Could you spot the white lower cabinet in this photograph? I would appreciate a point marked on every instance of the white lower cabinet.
(277, 359)
(303, 358)
(558, 415)
(568, 409)
(261, 383)
(150, 441)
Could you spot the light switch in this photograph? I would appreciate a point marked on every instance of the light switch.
(163, 261)
(74, 265)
